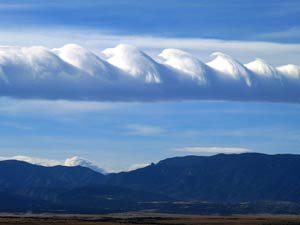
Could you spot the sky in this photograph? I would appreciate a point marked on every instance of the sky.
(119, 134)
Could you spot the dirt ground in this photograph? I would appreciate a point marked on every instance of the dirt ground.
(46, 219)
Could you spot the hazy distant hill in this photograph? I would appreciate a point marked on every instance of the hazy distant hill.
(237, 183)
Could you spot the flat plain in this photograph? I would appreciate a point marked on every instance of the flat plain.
(146, 218)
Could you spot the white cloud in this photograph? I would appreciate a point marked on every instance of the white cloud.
(138, 129)
(32, 160)
(212, 150)
(137, 166)
(129, 74)
(72, 161)
(17, 106)
(96, 40)
(293, 32)
(77, 161)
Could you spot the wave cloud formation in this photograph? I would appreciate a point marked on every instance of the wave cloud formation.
(125, 73)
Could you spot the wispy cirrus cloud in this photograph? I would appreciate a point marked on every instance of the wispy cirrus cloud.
(293, 32)
(144, 130)
(44, 106)
(96, 40)
(15, 125)
(212, 150)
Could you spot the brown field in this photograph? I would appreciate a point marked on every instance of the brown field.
(145, 218)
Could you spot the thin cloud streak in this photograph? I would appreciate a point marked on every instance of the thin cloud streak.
(56, 107)
(212, 150)
(96, 40)
(137, 166)
(144, 130)
(293, 32)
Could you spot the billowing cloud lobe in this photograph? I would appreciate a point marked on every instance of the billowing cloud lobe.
(129, 74)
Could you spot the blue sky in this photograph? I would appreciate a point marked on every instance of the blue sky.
(117, 135)
(232, 19)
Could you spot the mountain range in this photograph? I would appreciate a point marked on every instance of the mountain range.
(223, 183)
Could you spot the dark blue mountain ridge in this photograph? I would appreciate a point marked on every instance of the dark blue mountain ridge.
(219, 178)
(212, 184)
(18, 174)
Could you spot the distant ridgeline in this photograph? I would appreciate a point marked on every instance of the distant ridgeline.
(224, 183)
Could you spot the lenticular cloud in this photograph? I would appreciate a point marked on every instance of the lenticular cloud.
(125, 73)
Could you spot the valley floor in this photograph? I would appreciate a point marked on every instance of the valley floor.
(146, 218)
